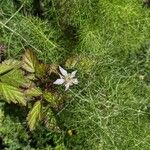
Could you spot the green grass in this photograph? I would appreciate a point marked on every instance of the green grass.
(110, 108)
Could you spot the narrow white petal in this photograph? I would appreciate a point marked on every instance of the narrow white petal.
(59, 81)
(73, 73)
(75, 81)
(61, 76)
(63, 71)
(67, 86)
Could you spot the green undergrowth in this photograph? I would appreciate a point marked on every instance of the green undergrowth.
(108, 42)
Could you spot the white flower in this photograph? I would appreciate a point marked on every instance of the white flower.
(68, 79)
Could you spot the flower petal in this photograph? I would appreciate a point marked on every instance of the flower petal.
(73, 74)
(61, 77)
(67, 86)
(75, 81)
(59, 81)
(63, 71)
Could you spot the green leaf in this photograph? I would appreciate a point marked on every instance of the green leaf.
(53, 69)
(71, 62)
(49, 97)
(30, 61)
(15, 78)
(50, 120)
(8, 65)
(34, 115)
(31, 77)
(41, 70)
(12, 94)
(33, 91)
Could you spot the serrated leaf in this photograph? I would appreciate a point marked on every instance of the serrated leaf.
(29, 61)
(12, 94)
(8, 65)
(31, 77)
(49, 97)
(33, 91)
(53, 69)
(34, 115)
(50, 120)
(14, 77)
(41, 70)
(28, 84)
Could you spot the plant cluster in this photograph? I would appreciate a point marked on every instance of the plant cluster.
(108, 42)
(29, 82)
